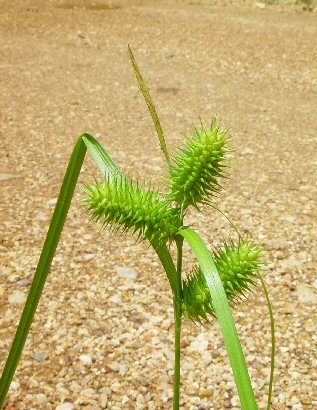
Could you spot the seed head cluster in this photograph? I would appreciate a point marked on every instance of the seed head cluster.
(237, 266)
(198, 166)
(121, 203)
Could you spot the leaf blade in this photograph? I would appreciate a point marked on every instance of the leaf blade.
(151, 107)
(225, 318)
(52, 239)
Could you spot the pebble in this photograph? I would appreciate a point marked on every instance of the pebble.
(200, 343)
(65, 406)
(17, 298)
(306, 294)
(15, 385)
(116, 299)
(85, 359)
(127, 273)
(25, 281)
(103, 400)
(205, 393)
(41, 356)
(51, 202)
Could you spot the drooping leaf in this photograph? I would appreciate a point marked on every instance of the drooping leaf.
(225, 318)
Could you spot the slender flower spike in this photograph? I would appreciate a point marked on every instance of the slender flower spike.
(198, 166)
(131, 207)
(237, 266)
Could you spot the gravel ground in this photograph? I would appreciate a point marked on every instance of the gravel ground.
(103, 333)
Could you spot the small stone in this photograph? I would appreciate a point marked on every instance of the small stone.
(15, 385)
(103, 400)
(247, 151)
(105, 390)
(116, 387)
(127, 273)
(116, 299)
(227, 404)
(41, 356)
(200, 343)
(125, 399)
(204, 406)
(41, 398)
(51, 202)
(85, 359)
(17, 298)
(25, 281)
(41, 216)
(306, 294)
(205, 393)
(88, 257)
(143, 381)
(65, 406)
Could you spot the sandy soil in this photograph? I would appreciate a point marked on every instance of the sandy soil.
(102, 340)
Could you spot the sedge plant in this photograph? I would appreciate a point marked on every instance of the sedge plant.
(220, 279)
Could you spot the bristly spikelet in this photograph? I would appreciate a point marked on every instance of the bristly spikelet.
(237, 266)
(198, 166)
(131, 207)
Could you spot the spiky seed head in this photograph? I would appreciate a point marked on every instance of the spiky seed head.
(120, 203)
(237, 265)
(198, 167)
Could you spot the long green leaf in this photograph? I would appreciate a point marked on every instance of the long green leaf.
(108, 166)
(148, 99)
(225, 318)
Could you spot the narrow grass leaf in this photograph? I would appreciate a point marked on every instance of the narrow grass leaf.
(106, 164)
(148, 99)
(224, 315)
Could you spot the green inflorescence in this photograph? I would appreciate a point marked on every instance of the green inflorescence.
(197, 167)
(237, 265)
(121, 203)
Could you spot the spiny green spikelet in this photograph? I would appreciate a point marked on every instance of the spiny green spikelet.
(198, 166)
(237, 266)
(127, 205)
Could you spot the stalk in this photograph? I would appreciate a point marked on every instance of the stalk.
(178, 323)
(272, 341)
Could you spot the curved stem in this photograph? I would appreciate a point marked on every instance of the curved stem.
(178, 322)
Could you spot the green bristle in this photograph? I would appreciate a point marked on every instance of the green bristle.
(237, 266)
(198, 166)
(125, 205)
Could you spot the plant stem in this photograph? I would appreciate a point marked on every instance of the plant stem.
(272, 340)
(178, 323)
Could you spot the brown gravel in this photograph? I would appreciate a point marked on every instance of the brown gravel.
(99, 339)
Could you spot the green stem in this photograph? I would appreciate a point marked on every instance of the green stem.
(272, 340)
(178, 323)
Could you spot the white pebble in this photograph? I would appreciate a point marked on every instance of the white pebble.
(85, 359)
